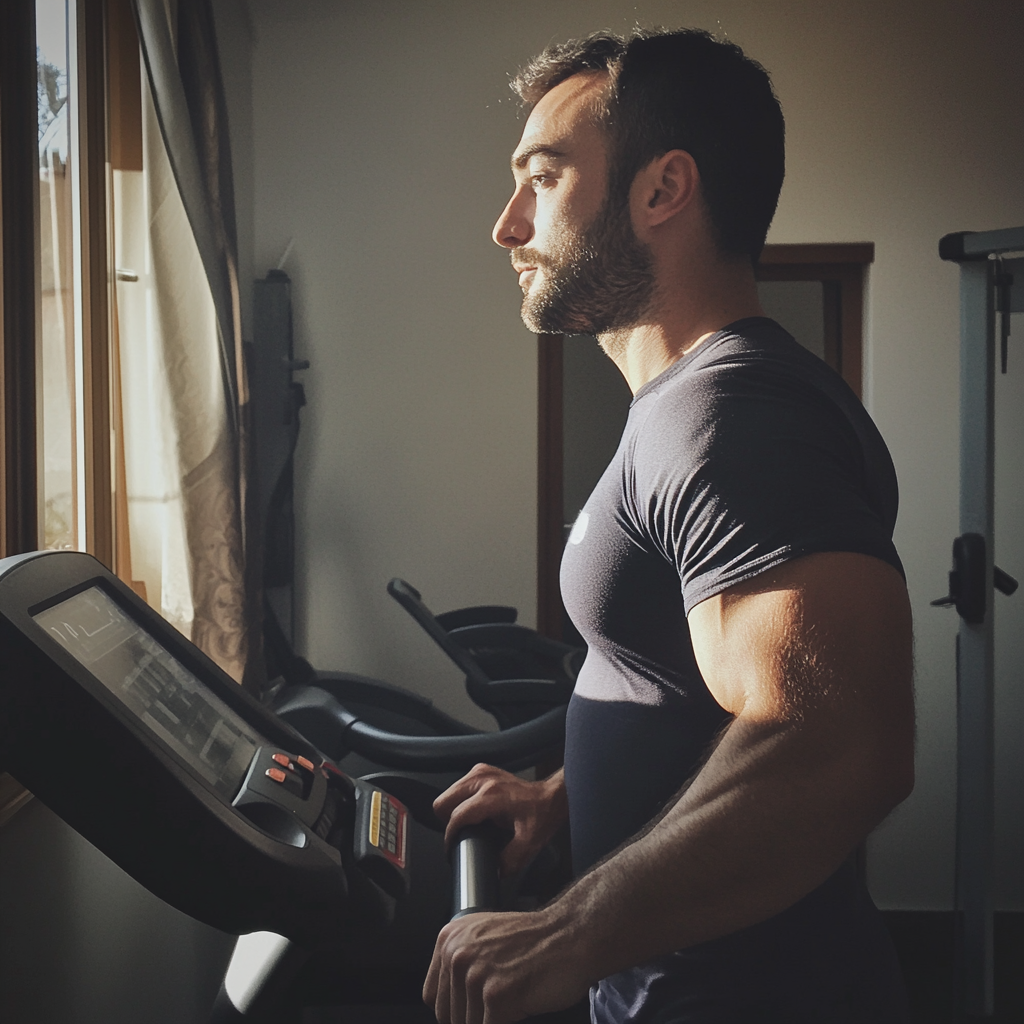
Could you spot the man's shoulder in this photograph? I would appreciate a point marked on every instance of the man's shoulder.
(748, 397)
(746, 371)
(732, 365)
(755, 349)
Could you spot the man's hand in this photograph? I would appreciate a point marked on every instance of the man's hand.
(498, 968)
(532, 810)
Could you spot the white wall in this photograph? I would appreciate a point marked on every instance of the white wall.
(381, 131)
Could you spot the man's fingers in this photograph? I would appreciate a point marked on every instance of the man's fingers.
(452, 797)
(471, 812)
(438, 994)
(462, 790)
(442, 1002)
(458, 966)
(515, 856)
(432, 982)
(475, 1009)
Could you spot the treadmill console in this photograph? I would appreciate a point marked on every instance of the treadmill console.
(148, 749)
(154, 686)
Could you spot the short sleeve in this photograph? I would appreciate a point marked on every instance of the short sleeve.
(740, 469)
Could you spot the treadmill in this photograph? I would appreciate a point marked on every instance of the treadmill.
(209, 799)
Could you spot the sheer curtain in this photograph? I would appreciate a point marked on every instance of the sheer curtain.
(182, 390)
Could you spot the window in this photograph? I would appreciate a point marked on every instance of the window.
(97, 251)
(56, 417)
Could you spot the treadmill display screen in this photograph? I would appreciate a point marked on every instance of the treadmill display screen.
(173, 703)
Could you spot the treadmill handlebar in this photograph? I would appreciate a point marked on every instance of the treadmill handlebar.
(474, 858)
(329, 724)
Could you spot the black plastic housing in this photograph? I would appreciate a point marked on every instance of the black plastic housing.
(70, 742)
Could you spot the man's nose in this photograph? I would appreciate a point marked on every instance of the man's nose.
(515, 225)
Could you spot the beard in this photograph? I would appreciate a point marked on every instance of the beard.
(597, 281)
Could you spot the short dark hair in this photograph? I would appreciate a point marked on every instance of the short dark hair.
(683, 90)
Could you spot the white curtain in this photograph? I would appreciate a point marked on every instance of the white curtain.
(179, 467)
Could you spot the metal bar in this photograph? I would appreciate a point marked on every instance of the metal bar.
(975, 742)
(1015, 268)
(983, 243)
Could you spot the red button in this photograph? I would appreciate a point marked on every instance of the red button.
(305, 763)
(276, 774)
(284, 760)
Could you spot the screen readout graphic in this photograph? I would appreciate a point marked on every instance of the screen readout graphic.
(175, 705)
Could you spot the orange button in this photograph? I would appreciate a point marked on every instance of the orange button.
(276, 774)
(284, 760)
(305, 763)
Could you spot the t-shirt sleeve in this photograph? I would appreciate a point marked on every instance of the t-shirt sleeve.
(735, 473)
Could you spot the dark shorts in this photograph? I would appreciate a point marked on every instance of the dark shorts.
(826, 960)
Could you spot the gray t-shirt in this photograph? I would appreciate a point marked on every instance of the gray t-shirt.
(743, 455)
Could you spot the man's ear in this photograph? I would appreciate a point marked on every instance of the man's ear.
(668, 184)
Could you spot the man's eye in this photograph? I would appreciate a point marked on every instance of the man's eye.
(541, 181)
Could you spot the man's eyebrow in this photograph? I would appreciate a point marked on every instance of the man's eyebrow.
(520, 161)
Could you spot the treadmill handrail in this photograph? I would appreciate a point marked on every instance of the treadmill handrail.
(519, 746)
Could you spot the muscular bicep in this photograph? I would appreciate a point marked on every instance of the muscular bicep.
(822, 644)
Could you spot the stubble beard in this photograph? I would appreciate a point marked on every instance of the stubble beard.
(598, 281)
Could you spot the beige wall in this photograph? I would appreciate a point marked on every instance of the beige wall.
(380, 133)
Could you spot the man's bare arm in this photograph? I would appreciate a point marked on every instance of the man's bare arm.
(814, 660)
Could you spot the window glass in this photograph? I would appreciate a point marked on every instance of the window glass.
(59, 304)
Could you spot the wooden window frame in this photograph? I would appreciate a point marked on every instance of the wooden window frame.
(841, 267)
(20, 518)
(20, 499)
(97, 278)
(19, 174)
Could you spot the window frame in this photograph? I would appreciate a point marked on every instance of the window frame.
(20, 514)
(20, 401)
(19, 499)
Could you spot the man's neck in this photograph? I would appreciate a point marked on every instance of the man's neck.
(688, 310)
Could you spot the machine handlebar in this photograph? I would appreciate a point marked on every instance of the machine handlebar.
(326, 722)
(474, 858)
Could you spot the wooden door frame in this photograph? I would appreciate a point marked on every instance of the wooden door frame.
(550, 501)
(841, 267)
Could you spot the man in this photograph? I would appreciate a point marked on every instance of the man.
(745, 715)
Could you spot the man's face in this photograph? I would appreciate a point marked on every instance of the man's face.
(580, 265)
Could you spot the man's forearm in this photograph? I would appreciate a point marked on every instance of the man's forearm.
(773, 813)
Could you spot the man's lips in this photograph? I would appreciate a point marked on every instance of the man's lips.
(525, 275)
